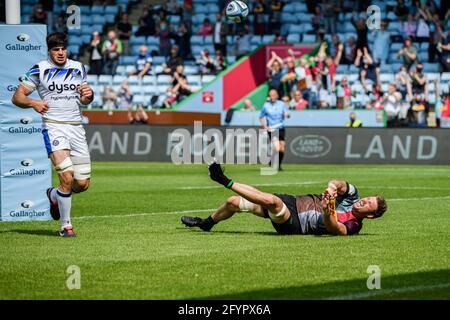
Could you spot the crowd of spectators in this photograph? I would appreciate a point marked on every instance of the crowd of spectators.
(308, 83)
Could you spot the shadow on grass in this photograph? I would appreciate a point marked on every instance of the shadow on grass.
(420, 285)
(48, 233)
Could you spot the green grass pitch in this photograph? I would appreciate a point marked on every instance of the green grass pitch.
(131, 244)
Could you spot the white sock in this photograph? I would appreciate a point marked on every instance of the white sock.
(64, 204)
(53, 195)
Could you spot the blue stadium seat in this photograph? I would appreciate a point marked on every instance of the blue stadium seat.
(121, 70)
(267, 38)
(445, 76)
(194, 80)
(303, 17)
(157, 60)
(386, 68)
(97, 10)
(207, 79)
(92, 79)
(124, 60)
(431, 67)
(342, 69)
(73, 49)
(162, 89)
(300, 7)
(75, 41)
(75, 33)
(424, 46)
(387, 77)
(295, 28)
(151, 40)
(117, 79)
(395, 47)
(394, 59)
(148, 80)
(190, 70)
(86, 19)
(85, 10)
(309, 38)
(293, 38)
(98, 19)
(111, 10)
(110, 18)
(423, 56)
(201, 9)
(289, 7)
(287, 17)
(195, 40)
(255, 40)
(306, 27)
(137, 40)
(163, 79)
(207, 40)
(98, 27)
(353, 69)
(104, 79)
(396, 67)
(214, 8)
(86, 38)
(134, 80)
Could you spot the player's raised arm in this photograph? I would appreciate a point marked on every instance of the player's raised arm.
(332, 225)
(337, 187)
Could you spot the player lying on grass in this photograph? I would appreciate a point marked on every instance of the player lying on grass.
(304, 214)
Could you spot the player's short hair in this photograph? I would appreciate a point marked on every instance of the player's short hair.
(57, 39)
(381, 206)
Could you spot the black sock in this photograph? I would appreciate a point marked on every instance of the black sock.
(280, 156)
(210, 221)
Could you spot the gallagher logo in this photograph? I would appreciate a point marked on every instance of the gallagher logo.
(23, 37)
(27, 162)
(27, 204)
(26, 120)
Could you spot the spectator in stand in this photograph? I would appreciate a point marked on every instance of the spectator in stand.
(409, 53)
(343, 94)
(95, 54)
(163, 32)
(179, 87)
(305, 82)
(275, 67)
(418, 112)
(248, 105)
(173, 61)
(146, 24)
(125, 96)
(38, 14)
(368, 69)
(445, 53)
(206, 63)
(220, 62)
(289, 79)
(124, 32)
(183, 41)
(401, 10)
(437, 35)
(139, 116)
(392, 102)
(143, 63)
(286, 100)
(206, 29)
(353, 122)
(242, 43)
(259, 24)
(334, 45)
(361, 31)
(276, 6)
(111, 50)
(381, 44)
(297, 102)
(331, 12)
(423, 31)
(419, 81)
(410, 26)
(60, 24)
(318, 20)
(350, 51)
(278, 38)
(403, 82)
(220, 33)
(109, 99)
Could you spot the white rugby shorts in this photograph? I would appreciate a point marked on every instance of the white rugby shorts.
(58, 136)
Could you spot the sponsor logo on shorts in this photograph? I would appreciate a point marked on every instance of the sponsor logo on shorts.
(55, 143)
(310, 146)
(23, 37)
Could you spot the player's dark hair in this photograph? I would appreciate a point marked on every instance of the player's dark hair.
(381, 206)
(57, 39)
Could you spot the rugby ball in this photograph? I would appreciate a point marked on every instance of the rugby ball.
(236, 11)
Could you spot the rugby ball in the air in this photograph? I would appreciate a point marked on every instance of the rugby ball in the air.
(236, 11)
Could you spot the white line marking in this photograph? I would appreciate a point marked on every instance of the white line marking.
(402, 188)
(256, 185)
(375, 293)
(143, 214)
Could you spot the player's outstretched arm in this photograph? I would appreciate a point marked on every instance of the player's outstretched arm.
(20, 99)
(337, 187)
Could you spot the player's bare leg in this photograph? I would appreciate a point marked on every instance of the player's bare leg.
(62, 196)
(80, 185)
(250, 200)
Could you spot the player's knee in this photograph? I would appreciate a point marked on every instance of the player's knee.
(66, 179)
(81, 185)
(233, 202)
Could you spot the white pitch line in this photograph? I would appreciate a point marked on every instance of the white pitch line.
(256, 185)
(375, 293)
(213, 209)
(144, 214)
(403, 188)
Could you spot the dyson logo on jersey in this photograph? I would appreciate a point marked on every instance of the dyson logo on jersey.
(60, 88)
